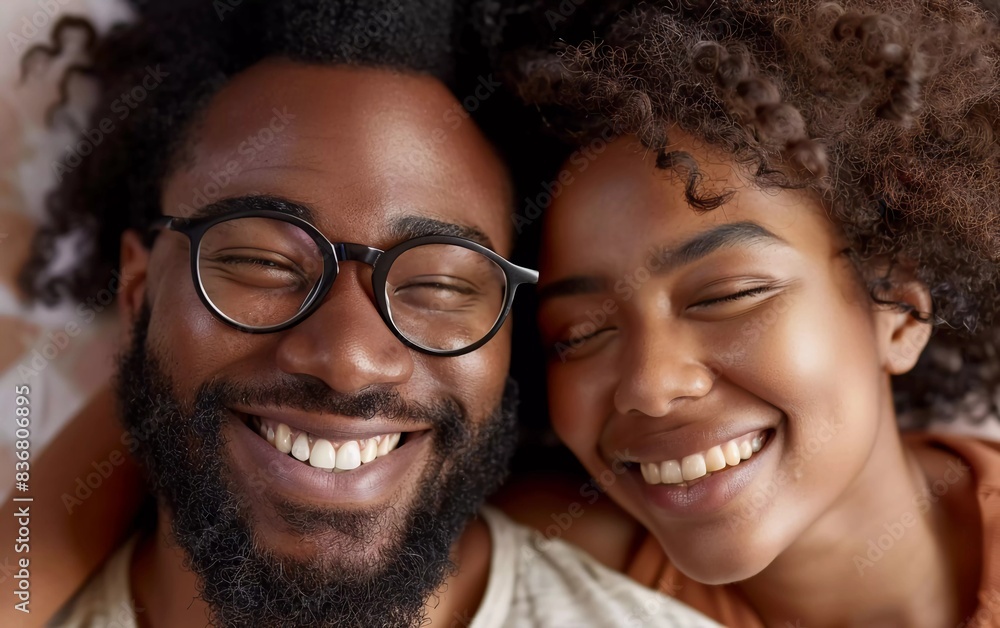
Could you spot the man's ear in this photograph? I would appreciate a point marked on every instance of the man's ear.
(903, 334)
(134, 266)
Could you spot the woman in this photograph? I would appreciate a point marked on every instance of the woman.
(736, 296)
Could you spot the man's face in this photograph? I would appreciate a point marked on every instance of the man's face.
(373, 155)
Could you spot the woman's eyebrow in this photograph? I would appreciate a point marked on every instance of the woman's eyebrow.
(741, 233)
(668, 258)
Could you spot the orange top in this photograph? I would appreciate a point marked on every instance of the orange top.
(727, 605)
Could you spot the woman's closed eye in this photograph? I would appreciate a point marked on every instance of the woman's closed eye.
(578, 341)
(585, 337)
(736, 296)
(585, 332)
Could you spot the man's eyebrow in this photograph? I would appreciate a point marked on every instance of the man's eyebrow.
(409, 227)
(272, 203)
(404, 228)
(669, 258)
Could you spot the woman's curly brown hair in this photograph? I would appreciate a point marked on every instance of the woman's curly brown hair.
(888, 109)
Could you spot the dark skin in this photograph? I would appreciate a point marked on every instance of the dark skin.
(361, 158)
(675, 369)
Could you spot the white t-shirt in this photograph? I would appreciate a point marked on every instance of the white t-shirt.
(533, 583)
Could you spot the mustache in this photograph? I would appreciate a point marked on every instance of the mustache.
(309, 394)
(304, 393)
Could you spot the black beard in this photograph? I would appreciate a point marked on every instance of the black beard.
(246, 584)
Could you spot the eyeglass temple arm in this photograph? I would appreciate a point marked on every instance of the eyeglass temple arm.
(524, 275)
(158, 225)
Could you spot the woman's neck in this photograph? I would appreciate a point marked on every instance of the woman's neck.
(892, 552)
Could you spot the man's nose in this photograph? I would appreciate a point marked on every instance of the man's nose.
(345, 342)
(658, 367)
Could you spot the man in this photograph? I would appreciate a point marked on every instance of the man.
(315, 298)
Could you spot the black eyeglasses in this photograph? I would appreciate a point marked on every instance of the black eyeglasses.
(263, 271)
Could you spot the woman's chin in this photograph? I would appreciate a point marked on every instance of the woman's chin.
(709, 565)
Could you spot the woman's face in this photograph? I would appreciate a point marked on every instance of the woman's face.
(738, 340)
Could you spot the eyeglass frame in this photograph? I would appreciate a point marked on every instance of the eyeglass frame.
(333, 253)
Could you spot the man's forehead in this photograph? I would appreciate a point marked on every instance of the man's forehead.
(364, 145)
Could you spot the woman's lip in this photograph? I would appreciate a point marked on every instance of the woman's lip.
(678, 444)
(712, 493)
(281, 475)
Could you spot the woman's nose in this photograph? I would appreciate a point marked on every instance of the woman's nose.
(659, 367)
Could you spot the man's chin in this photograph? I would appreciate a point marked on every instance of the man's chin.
(267, 559)
(358, 542)
(353, 519)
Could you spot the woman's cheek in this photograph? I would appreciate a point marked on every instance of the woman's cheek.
(574, 407)
(816, 365)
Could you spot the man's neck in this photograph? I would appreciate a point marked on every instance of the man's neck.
(166, 593)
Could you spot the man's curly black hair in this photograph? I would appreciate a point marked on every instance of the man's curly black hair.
(889, 110)
(200, 45)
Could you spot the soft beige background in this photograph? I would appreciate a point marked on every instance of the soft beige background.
(27, 152)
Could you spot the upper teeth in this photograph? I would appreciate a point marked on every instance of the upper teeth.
(701, 464)
(320, 452)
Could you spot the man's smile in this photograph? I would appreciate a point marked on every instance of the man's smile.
(325, 444)
(333, 468)
(321, 453)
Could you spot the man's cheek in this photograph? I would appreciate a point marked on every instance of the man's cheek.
(477, 378)
(183, 332)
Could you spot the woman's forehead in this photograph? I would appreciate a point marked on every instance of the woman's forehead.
(622, 204)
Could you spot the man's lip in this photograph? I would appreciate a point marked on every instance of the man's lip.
(336, 428)
(269, 472)
(677, 443)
